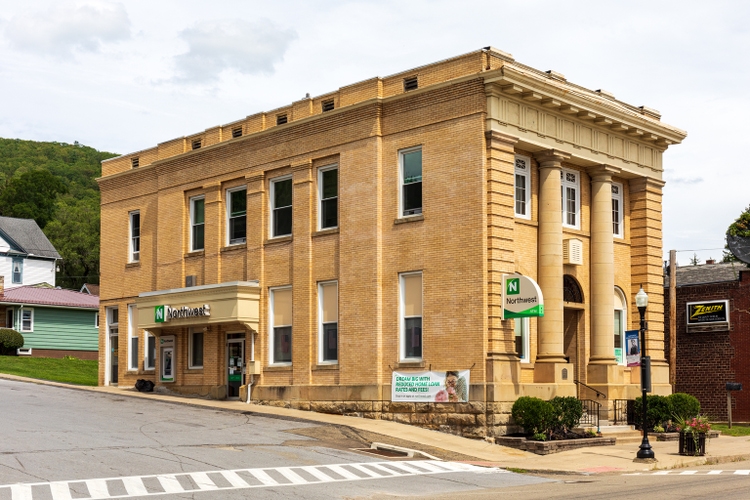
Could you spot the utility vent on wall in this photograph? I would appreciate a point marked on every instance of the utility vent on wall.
(573, 252)
(191, 280)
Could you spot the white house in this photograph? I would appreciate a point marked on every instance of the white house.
(26, 255)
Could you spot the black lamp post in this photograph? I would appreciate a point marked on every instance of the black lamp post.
(641, 301)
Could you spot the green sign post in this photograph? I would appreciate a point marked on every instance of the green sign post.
(522, 297)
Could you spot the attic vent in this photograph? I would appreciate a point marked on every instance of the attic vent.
(191, 280)
(327, 105)
(196, 143)
(573, 252)
(411, 83)
(236, 132)
(281, 119)
(135, 162)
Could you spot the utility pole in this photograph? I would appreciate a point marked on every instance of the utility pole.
(673, 318)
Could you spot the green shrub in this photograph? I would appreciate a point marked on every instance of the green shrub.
(659, 412)
(684, 406)
(568, 411)
(533, 414)
(10, 340)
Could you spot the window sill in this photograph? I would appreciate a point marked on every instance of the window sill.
(133, 264)
(195, 369)
(278, 239)
(196, 253)
(322, 366)
(278, 368)
(235, 247)
(410, 364)
(325, 232)
(409, 218)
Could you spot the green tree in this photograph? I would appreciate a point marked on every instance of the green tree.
(32, 195)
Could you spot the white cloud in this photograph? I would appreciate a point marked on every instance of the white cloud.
(248, 47)
(64, 30)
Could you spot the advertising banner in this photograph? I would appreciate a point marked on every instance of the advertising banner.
(633, 348)
(522, 297)
(431, 387)
(700, 313)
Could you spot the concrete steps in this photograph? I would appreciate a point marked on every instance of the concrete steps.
(625, 434)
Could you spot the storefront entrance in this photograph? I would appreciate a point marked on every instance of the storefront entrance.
(113, 362)
(235, 364)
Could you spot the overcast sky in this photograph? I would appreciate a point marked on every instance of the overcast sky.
(124, 76)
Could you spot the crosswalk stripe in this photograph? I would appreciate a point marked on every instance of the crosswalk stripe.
(714, 472)
(342, 472)
(20, 492)
(404, 467)
(317, 473)
(169, 483)
(234, 479)
(454, 466)
(263, 477)
(203, 481)
(385, 469)
(291, 475)
(742, 472)
(97, 488)
(688, 472)
(662, 473)
(429, 466)
(365, 470)
(60, 490)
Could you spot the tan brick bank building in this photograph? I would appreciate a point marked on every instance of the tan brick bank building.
(312, 250)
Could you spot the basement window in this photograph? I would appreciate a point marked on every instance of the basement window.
(236, 132)
(411, 83)
(135, 162)
(327, 105)
(281, 119)
(196, 144)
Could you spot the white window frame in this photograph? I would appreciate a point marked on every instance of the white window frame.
(576, 186)
(272, 204)
(13, 262)
(321, 171)
(146, 367)
(271, 326)
(522, 168)
(403, 317)
(96, 320)
(617, 215)
(401, 182)
(623, 324)
(134, 240)
(22, 320)
(524, 325)
(228, 198)
(321, 324)
(191, 347)
(132, 336)
(193, 223)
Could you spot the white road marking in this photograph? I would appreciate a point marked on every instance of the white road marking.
(741, 472)
(268, 480)
(292, 476)
(688, 472)
(234, 479)
(60, 490)
(170, 484)
(714, 472)
(97, 488)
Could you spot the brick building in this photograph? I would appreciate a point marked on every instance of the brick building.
(714, 352)
(311, 250)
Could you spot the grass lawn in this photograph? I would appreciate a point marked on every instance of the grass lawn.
(736, 430)
(69, 370)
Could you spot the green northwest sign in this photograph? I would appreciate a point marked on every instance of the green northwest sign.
(522, 297)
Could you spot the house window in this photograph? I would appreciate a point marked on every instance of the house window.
(328, 312)
(571, 202)
(522, 339)
(149, 363)
(281, 325)
(617, 205)
(135, 236)
(237, 215)
(620, 315)
(281, 207)
(197, 223)
(523, 187)
(96, 320)
(328, 187)
(195, 348)
(27, 320)
(411, 315)
(17, 270)
(132, 339)
(411, 181)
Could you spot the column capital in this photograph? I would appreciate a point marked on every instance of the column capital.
(646, 184)
(551, 156)
(603, 172)
(499, 140)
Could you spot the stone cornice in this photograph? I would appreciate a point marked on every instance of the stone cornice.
(646, 184)
(497, 139)
(551, 158)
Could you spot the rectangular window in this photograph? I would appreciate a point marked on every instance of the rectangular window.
(196, 348)
(96, 320)
(237, 215)
(411, 181)
(132, 339)
(411, 315)
(27, 320)
(619, 334)
(149, 363)
(617, 205)
(113, 320)
(571, 203)
(281, 325)
(328, 312)
(135, 236)
(17, 270)
(197, 223)
(522, 339)
(523, 186)
(328, 187)
(281, 207)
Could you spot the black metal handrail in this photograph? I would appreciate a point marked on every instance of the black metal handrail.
(590, 415)
(624, 411)
(598, 394)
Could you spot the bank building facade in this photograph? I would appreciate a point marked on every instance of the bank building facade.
(302, 256)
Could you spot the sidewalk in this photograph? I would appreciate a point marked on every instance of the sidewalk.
(600, 459)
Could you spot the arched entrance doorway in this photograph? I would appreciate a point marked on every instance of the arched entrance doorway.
(573, 332)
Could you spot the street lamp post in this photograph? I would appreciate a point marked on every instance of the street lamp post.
(641, 302)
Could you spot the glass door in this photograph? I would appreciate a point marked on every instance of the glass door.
(235, 367)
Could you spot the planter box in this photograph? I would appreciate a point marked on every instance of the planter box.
(548, 447)
(675, 436)
(689, 445)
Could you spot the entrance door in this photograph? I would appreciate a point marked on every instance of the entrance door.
(235, 367)
(113, 363)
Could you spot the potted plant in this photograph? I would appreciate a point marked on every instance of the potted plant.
(693, 435)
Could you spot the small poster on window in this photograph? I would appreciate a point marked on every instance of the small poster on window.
(633, 347)
(431, 387)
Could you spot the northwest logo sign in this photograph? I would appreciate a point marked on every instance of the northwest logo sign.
(522, 297)
(163, 314)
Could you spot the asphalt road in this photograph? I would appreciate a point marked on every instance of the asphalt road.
(64, 444)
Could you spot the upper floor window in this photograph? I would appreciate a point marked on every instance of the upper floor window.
(571, 203)
(411, 315)
(197, 223)
(237, 215)
(281, 325)
(135, 236)
(281, 207)
(411, 181)
(617, 205)
(328, 187)
(17, 270)
(328, 298)
(523, 186)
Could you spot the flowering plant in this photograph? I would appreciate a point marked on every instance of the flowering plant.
(695, 425)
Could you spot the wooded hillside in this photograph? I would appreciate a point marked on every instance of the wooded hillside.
(55, 184)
